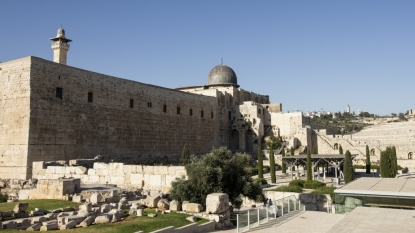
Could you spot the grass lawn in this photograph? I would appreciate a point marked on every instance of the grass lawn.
(46, 204)
(130, 224)
(142, 223)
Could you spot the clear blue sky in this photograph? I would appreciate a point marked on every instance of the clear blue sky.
(306, 55)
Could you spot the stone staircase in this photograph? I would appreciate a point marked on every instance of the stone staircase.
(273, 222)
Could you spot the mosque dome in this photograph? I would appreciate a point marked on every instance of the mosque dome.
(222, 74)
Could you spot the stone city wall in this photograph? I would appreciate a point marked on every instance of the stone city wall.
(122, 116)
(14, 116)
(125, 176)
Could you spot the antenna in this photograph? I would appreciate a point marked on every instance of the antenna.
(221, 61)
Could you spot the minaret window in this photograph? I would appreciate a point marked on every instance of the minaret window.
(131, 103)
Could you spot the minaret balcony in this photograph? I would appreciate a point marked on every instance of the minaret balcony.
(58, 45)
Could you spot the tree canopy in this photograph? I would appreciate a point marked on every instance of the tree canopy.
(217, 171)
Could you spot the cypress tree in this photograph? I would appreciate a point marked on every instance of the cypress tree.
(382, 164)
(340, 149)
(272, 164)
(367, 160)
(394, 162)
(260, 162)
(185, 158)
(309, 168)
(348, 167)
(292, 153)
(283, 166)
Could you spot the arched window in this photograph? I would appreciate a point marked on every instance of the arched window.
(372, 152)
(410, 155)
(336, 146)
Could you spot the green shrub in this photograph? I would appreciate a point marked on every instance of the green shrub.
(313, 184)
(299, 183)
(3, 197)
(254, 171)
(286, 188)
(261, 180)
(325, 190)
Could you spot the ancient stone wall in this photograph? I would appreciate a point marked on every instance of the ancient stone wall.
(287, 123)
(125, 176)
(400, 135)
(14, 117)
(76, 113)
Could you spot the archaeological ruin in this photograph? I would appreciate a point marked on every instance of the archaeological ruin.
(55, 112)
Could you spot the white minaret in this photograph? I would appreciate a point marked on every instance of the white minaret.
(60, 46)
(348, 109)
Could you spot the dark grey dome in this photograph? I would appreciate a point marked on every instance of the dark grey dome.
(222, 74)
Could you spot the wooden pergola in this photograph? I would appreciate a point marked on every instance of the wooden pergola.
(334, 160)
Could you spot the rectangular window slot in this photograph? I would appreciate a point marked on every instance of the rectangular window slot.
(90, 97)
(164, 108)
(149, 104)
(131, 103)
(201, 114)
(190, 112)
(59, 92)
(211, 115)
(178, 110)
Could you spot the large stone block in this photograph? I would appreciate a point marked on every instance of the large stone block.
(103, 218)
(194, 208)
(95, 198)
(155, 180)
(136, 179)
(87, 222)
(151, 202)
(217, 203)
(175, 206)
(20, 207)
(163, 204)
(87, 207)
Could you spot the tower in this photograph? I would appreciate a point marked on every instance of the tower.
(60, 46)
(348, 109)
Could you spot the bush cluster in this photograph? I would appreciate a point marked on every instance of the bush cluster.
(3, 197)
(261, 181)
(299, 183)
(286, 188)
(313, 184)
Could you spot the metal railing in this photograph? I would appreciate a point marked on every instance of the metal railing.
(262, 214)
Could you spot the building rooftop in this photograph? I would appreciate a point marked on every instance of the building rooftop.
(380, 186)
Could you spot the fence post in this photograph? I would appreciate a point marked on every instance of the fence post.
(237, 223)
(282, 206)
(288, 205)
(267, 212)
(248, 219)
(258, 215)
(299, 204)
(275, 209)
